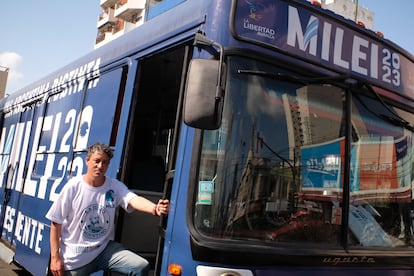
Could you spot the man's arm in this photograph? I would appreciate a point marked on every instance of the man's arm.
(142, 204)
(56, 263)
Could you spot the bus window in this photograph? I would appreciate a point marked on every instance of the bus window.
(9, 128)
(109, 92)
(250, 171)
(53, 142)
(77, 121)
(273, 171)
(17, 128)
(381, 162)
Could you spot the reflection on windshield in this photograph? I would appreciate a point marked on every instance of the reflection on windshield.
(274, 170)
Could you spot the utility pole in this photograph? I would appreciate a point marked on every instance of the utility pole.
(356, 10)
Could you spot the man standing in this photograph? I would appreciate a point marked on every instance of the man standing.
(82, 221)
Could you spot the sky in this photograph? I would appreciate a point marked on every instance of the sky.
(38, 37)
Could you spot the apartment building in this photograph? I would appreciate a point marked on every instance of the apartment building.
(4, 72)
(119, 17)
(351, 9)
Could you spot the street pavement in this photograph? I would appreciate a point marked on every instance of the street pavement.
(15, 270)
(12, 270)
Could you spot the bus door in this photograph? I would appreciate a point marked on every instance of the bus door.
(151, 146)
(17, 129)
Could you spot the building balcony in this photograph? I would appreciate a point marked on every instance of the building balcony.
(129, 10)
(110, 32)
(108, 3)
(106, 17)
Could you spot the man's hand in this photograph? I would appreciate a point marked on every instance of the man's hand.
(162, 207)
(56, 263)
(56, 266)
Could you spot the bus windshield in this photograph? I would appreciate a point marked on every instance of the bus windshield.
(274, 170)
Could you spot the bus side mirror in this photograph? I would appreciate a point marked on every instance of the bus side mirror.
(203, 94)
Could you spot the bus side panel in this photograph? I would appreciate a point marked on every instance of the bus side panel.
(70, 124)
(17, 129)
(47, 165)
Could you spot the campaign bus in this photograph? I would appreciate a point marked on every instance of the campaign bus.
(281, 133)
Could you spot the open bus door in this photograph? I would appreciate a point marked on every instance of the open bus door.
(150, 151)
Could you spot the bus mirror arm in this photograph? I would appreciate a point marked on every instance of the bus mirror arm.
(212, 47)
(216, 50)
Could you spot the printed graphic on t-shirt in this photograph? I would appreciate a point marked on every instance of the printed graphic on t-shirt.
(94, 221)
(109, 199)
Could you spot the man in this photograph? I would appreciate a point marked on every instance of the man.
(82, 221)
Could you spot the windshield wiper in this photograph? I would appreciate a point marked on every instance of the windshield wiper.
(396, 119)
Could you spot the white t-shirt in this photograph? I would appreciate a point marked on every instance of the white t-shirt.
(87, 216)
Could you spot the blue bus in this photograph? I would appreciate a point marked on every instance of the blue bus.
(281, 132)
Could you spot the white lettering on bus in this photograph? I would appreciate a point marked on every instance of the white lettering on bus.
(8, 222)
(67, 84)
(54, 167)
(364, 55)
(260, 30)
(52, 124)
(29, 232)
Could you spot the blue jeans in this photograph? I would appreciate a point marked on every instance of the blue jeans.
(117, 258)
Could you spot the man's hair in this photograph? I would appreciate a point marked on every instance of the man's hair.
(98, 147)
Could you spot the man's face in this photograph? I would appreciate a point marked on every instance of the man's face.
(97, 164)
